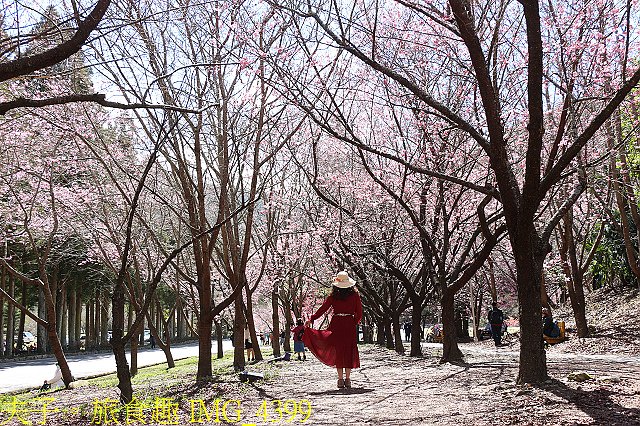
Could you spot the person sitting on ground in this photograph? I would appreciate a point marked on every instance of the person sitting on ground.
(549, 327)
(55, 381)
(298, 344)
(496, 319)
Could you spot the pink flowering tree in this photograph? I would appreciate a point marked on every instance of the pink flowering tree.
(503, 72)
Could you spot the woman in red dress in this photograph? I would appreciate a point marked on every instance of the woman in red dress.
(337, 345)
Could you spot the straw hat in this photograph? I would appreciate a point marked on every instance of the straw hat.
(342, 280)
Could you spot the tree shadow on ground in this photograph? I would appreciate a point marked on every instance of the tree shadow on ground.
(262, 393)
(196, 388)
(500, 367)
(352, 391)
(597, 404)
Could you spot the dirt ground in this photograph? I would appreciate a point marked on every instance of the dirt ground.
(389, 389)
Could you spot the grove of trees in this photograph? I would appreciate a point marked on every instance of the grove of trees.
(195, 168)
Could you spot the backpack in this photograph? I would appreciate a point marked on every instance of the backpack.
(496, 316)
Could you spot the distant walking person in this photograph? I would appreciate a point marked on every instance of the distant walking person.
(298, 344)
(337, 345)
(152, 341)
(407, 331)
(248, 344)
(496, 319)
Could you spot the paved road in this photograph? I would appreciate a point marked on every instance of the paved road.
(29, 374)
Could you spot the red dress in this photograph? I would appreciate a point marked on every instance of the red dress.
(337, 345)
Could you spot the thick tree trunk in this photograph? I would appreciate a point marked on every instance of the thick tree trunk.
(380, 338)
(450, 350)
(117, 343)
(533, 361)
(238, 335)
(395, 322)
(54, 340)
(275, 318)
(388, 334)
(205, 322)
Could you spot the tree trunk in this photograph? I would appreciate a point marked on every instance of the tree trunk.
(22, 317)
(98, 317)
(54, 340)
(73, 343)
(78, 331)
(104, 325)
(238, 335)
(576, 296)
(3, 274)
(133, 368)
(575, 279)
(205, 319)
(388, 334)
(380, 338)
(252, 327)
(163, 344)
(118, 343)
(167, 353)
(450, 350)
(395, 322)
(472, 304)
(179, 320)
(275, 318)
(204, 341)
(287, 327)
(533, 361)
(416, 332)
(219, 339)
(89, 325)
(8, 351)
(492, 281)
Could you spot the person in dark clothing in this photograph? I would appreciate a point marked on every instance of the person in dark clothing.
(407, 331)
(549, 328)
(496, 319)
(152, 341)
